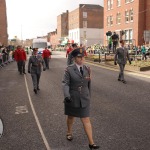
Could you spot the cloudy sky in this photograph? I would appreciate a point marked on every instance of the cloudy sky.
(32, 18)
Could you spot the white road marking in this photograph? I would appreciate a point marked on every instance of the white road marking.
(36, 117)
(1, 128)
(21, 110)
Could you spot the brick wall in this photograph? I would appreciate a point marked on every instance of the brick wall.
(138, 24)
(62, 25)
(3, 23)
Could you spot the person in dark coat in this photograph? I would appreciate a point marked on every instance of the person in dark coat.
(121, 57)
(76, 85)
(35, 68)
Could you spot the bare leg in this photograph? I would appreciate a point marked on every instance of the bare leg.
(70, 121)
(88, 129)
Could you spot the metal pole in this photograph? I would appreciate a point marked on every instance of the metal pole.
(99, 56)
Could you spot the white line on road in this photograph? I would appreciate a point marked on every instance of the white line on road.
(36, 117)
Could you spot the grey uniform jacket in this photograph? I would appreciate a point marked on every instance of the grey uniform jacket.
(35, 64)
(121, 56)
(76, 86)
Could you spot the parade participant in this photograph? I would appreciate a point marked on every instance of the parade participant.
(115, 39)
(121, 57)
(46, 56)
(143, 51)
(35, 68)
(68, 51)
(20, 57)
(110, 44)
(84, 48)
(76, 89)
(70, 57)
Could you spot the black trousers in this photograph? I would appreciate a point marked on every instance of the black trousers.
(21, 66)
(46, 60)
(36, 80)
(114, 46)
(121, 74)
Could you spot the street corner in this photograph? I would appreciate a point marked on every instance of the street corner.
(1, 128)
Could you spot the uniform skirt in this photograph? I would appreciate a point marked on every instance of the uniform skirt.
(77, 112)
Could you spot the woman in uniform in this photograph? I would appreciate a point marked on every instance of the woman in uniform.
(76, 89)
(35, 68)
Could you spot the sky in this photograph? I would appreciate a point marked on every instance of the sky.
(28, 19)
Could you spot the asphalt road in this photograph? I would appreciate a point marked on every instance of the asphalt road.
(120, 113)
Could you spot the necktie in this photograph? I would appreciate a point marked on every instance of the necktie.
(81, 71)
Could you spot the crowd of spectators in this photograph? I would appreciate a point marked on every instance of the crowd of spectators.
(6, 56)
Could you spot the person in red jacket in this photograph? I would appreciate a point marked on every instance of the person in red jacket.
(20, 57)
(68, 51)
(46, 56)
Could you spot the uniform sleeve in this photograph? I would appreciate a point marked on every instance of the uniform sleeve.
(116, 55)
(89, 83)
(43, 63)
(66, 84)
(29, 64)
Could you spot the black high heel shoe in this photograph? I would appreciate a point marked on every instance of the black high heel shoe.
(93, 146)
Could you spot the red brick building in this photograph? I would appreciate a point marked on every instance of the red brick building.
(53, 39)
(62, 26)
(131, 16)
(86, 24)
(3, 23)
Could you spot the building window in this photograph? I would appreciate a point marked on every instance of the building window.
(109, 4)
(84, 14)
(129, 36)
(128, 1)
(118, 21)
(84, 24)
(131, 15)
(126, 16)
(118, 3)
(109, 20)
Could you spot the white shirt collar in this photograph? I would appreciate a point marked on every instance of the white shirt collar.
(78, 66)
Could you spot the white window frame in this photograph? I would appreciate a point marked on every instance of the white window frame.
(84, 14)
(118, 3)
(111, 4)
(118, 18)
(108, 4)
(128, 36)
(127, 16)
(131, 15)
(111, 20)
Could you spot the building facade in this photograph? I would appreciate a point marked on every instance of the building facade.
(53, 39)
(130, 16)
(86, 24)
(3, 23)
(62, 26)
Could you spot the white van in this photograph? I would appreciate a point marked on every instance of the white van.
(39, 43)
